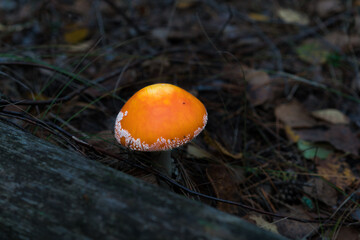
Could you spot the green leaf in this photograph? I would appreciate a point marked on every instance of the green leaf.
(312, 150)
(313, 51)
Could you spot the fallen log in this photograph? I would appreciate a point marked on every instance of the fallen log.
(47, 192)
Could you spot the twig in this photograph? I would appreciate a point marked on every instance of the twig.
(221, 31)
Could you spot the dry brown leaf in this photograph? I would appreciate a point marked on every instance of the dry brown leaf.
(294, 115)
(340, 136)
(336, 172)
(259, 89)
(321, 190)
(262, 223)
(234, 72)
(225, 186)
(331, 115)
(294, 229)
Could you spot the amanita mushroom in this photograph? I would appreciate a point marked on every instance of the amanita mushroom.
(158, 118)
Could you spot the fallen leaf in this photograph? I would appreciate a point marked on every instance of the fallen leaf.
(340, 137)
(313, 51)
(294, 115)
(75, 34)
(225, 186)
(336, 171)
(234, 72)
(292, 16)
(259, 89)
(331, 115)
(262, 223)
(319, 189)
(185, 4)
(294, 229)
(314, 150)
(258, 17)
(291, 134)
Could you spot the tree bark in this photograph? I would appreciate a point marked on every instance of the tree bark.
(47, 192)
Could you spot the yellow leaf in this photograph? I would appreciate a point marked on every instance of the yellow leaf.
(291, 134)
(336, 171)
(258, 17)
(185, 4)
(331, 115)
(76, 35)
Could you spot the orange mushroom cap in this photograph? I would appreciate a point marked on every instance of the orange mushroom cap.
(159, 117)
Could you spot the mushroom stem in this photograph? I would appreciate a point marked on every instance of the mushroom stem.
(163, 162)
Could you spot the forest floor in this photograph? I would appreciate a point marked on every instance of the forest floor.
(280, 81)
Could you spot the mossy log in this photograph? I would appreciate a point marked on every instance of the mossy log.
(47, 192)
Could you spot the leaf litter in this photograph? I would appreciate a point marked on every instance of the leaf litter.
(280, 83)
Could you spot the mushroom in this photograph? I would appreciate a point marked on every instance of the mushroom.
(158, 118)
